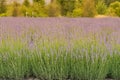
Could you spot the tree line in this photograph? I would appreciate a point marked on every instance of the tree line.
(58, 8)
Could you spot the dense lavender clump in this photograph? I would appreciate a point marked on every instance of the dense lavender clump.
(60, 48)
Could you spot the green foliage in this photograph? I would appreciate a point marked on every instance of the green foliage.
(101, 7)
(66, 6)
(108, 2)
(114, 9)
(13, 61)
(77, 12)
(115, 65)
(15, 11)
(9, 10)
(2, 6)
(3, 15)
(80, 1)
(25, 11)
(89, 8)
(72, 8)
(53, 9)
(38, 10)
(26, 3)
(41, 2)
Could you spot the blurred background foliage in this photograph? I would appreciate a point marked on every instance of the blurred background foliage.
(58, 8)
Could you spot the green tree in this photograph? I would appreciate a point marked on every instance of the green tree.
(80, 1)
(40, 2)
(114, 9)
(101, 7)
(67, 6)
(38, 10)
(108, 2)
(77, 12)
(89, 8)
(53, 9)
(2, 6)
(26, 3)
(15, 11)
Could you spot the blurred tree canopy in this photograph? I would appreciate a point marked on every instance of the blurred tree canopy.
(53, 9)
(101, 7)
(3, 6)
(114, 9)
(89, 8)
(66, 6)
(108, 2)
(26, 3)
(41, 2)
(15, 11)
(58, 8)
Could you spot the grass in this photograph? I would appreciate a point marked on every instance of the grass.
(55, 59)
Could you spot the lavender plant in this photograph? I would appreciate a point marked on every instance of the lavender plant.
(59, 48)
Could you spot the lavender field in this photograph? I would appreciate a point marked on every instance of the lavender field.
(60, 48)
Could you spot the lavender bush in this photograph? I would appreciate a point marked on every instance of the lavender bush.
(60, 48)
